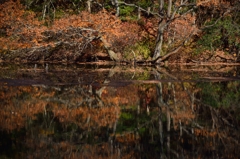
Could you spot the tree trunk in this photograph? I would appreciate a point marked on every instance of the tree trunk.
(117, 8)
(89, 6)
(161, 5)
(44, 10)
(139, 13)
(159, 42)
(116, 4)
(162, 25)
(169, 8)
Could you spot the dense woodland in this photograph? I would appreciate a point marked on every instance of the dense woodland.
(138, 31)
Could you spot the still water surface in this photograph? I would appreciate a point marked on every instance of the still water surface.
(91, 111)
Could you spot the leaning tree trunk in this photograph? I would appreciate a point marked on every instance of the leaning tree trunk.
(159, 42)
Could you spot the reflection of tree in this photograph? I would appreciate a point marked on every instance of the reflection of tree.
(45, 112)
(98, 121)
(179, 124)
(198, 123)
(21, 103)
(24, 102)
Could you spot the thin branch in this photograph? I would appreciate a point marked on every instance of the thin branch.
(170, 53)
(140, 8)
(208, 26)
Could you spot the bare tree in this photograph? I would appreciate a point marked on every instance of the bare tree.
(175, 9)
(167, 16)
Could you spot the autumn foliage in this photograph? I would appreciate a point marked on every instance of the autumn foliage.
(20, 29)
(16, 25)
(79, 37)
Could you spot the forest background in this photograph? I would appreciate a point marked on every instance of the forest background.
(142, 31)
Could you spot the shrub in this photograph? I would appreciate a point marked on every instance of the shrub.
(141, 51)
(223, 35)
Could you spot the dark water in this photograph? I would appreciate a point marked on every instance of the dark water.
(92, 111)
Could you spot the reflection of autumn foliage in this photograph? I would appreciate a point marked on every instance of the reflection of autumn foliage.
(17, 106)
(86, 117)
(122, 96)
(23, 103)
(40, 149)
(193, 124)
(200, 126)
(174, 97)
(102, 121)
(204, 132)
(183, 106)
(128, 138)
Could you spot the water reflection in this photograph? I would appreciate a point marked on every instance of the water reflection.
(146, 113)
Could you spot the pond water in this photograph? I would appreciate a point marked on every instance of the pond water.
(92, 111)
